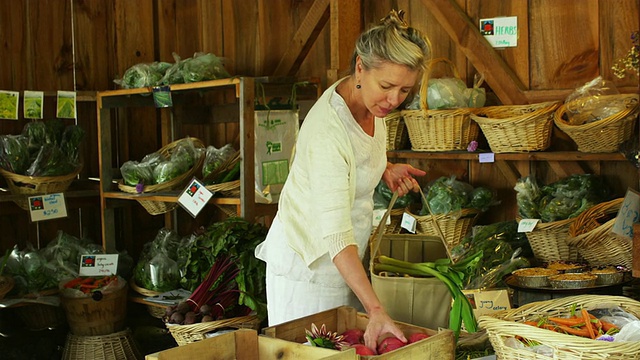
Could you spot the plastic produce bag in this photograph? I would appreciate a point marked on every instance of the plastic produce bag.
(31, 271)
(14, 153)
(527, 195)
(585, 104)
(446, 93)
(51, 161)
(143, 75)
(200, 67)
(134, 173)
(215, 157)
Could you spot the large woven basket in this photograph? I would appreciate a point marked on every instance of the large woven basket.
(161, 207)
(116, 346)
(591, 234)
(516, 128)
(549, 241)
(37, 185)
(439, 130)
(454, 226)
(604, 135)
(397, 135)
(508, 324)
(186, 334)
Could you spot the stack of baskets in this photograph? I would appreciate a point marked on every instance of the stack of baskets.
(154, 207)
(119, 345)
(397, 135)
(549, 241)
(595, 241)
(603, 135)
(186, 334)
(508, 325)
(516, 128)
(37, 185)
(439, 130)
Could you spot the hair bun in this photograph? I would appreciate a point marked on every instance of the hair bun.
(395, 18)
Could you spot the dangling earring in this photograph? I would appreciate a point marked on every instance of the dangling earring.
(358, 86)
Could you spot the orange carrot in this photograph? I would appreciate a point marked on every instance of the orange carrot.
(573, 331)
(587, 321)
(606, 326)
(567, 321)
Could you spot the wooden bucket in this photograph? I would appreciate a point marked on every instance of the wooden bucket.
(89, 317)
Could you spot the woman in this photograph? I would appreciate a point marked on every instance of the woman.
(316, 243)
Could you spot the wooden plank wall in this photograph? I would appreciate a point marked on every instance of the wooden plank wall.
(84, 45)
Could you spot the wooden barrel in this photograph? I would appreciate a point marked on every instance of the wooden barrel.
(95, 315)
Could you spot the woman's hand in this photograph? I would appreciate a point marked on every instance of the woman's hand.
(399, 177)
(379, 324)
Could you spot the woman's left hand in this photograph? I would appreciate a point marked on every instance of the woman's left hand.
(399, 177)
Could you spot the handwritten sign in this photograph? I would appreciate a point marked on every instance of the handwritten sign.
(408, 222)
(194, 197)
(628, 214)
(47, 207)
(527, 225)
(377, 217)
(500, 32)
(486, 157)
(486, 302)
(98, 264)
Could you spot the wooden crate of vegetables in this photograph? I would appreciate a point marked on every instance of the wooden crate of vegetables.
(246, 344)
(342, 328)
(575, 327)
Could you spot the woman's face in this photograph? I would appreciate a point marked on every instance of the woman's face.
(385, 87)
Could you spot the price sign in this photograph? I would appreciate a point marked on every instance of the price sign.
(486, 157)
(46, 207)
(98, 264)
(409, 223)
(527, 225)
(377, 217)
(194, 197)
(628, 214)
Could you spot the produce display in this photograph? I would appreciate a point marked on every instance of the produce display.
(90, 284)
(215, 158)
(579, 323)
(382, 196)
(447, 195)
(157, 267)
(44, 148)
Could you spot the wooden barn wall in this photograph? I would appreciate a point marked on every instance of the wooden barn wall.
(83, 45)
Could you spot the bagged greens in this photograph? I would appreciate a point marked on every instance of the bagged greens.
(382, 196)
(157, 268)
(215, 157)
(143, 75)
(447, 195)
(14, 153)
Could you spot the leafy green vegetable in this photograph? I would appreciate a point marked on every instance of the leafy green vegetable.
(386, 194)
(14, 153)
(50, 161)
(168, 170)
(71, 139)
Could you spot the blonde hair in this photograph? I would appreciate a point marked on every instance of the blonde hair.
(392, 40)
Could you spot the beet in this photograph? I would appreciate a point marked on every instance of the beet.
(205, 309)
(362, 349)
(190, 318)
(183, 307)
(389, 344)
(176, 318)
(353, 336)
(417, 337)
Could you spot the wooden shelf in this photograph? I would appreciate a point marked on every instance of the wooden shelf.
(532, 156)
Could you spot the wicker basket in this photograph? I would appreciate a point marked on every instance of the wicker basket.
(549, 241)
(89, 317)
(397, 135)
(161, 207)
(454, 226)
(186, 334)
(227, 189)
(594, 240)
(6, 285)
(605, 135)
(37, 316)
(439, 130)
(156, 311)
(116, 346)
(37, 185)
(517, 128)
(508, 324)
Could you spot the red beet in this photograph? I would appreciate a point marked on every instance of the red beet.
(362, 349)
(353, 336)
(389, 344)
(417, 337)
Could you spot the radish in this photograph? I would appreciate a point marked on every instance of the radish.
(353, 336)
(389, 344)
(417, 337)
(362, 349)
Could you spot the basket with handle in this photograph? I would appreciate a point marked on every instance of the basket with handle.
(228, 188)
(186, 334)
(591, 234)
(160, 207)
(37, 185)
(454, 226)
(439, 130)
(397, 135)
(516, 128)
(549, 241)
(604, 135)
(506, 325)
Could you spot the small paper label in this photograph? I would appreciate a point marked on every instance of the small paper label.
(46, 207)
(500, 32)
(377, 217)
(162, 96)
(527, 225)
(98, 264)
(408, 223)
(194, 197)
(486, 157)
(628, 214)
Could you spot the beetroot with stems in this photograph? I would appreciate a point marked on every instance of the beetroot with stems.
(362, 349)
(389, 344)
(353, 336)
(417, 337)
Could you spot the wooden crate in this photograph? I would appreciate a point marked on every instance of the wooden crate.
(439, 346)
(245, 344)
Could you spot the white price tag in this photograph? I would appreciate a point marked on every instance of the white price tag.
(46, 207)
(527, 225)
(628, 214)
(194, 197)
(486, 157)
(408, 223)
(377, 217)
(98, 264)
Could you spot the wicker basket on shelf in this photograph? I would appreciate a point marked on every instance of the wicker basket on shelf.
(186, 334)
(229, 188)
(454, 226)
(161, 207)
(516, 128)
(549, 241)
(591, 234)
(118, 345)
(508, 325)
(604, 135)
(37, 185)
(397, 135)
(439, 130)
(156, 311)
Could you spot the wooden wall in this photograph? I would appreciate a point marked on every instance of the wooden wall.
(83, 45)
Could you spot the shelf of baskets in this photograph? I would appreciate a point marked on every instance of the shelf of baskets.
(107, 101)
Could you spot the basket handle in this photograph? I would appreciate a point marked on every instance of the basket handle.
(379, 231)
(427, 74)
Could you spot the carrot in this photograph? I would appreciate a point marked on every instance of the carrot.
(573, 331)
(568, 321)
(72, 283)
(587, 321)
(606, 326)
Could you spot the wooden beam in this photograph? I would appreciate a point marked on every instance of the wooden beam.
(304, 38)
(476, 48)
(346, 24)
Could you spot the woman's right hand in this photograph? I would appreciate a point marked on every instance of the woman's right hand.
(380, 323)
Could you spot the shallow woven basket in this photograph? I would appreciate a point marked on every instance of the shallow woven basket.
(604, 135)
(395, 223)
(517, 128)
(156, 311)
(397, 135)
(439, 130)
(227, 189)
(549, 241)
(161, 207)
(117, 346)
(508, 324)
(37, 185)
(594, 240)
(186, 334)
(454, 226)
(227, 165)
